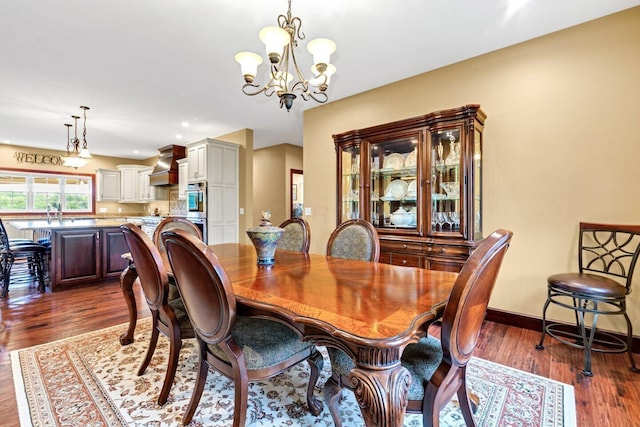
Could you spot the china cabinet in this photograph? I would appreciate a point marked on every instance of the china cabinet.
(419, 182)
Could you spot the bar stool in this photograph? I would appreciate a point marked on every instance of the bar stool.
(20, 249)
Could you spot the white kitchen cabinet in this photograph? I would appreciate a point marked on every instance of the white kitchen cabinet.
(197, 159)
(222, 192)
(130, 183)
(108, 185)
(146, 191)
(183, 178)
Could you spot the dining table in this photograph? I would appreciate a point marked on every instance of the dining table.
(369, 310)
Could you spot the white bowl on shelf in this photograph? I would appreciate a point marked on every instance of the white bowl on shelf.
(401, 217)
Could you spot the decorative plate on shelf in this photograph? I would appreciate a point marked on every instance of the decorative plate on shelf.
(396, 189)
(393, 161)
(412, 159)
(411, 189)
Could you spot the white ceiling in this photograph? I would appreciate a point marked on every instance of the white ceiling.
(145, 66)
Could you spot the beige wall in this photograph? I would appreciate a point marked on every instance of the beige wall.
(272, 178)
(9, 160)
(561, 145)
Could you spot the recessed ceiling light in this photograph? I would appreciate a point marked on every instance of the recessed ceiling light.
(136, 152)
(178, 136)
(185, 124)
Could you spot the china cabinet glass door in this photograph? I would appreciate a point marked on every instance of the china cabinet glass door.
(394, 182)
(349, 196)
(446, 182)
(476, 213)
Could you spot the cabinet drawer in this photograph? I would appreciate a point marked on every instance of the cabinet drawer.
(406, 260)
(453, 251)
(401, 246)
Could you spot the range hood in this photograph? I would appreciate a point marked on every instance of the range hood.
(166, 170)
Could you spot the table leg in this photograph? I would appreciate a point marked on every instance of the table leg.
(127, 278)
(381, 394)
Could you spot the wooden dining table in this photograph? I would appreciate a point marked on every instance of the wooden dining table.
(371, 311)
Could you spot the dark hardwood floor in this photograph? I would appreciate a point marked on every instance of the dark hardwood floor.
(610, 398)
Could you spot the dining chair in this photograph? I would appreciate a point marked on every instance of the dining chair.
(174, 222)
(12, 250)
(241, 348)
(607, 255)
(354, 239)
(438, 367)
(168, 315)
(296, 236)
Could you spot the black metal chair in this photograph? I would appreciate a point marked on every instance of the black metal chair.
(12, 250)
(606, 261)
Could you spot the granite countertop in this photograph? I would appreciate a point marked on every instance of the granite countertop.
(67, 223)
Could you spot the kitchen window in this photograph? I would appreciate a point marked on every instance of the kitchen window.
(26, 192)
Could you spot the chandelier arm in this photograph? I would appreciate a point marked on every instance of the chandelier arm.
(319, 97)
(259, 89)
(296, 23)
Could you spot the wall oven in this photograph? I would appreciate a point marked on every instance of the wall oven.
(197, 199)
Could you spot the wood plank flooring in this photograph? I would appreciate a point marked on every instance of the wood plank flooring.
(610, 398)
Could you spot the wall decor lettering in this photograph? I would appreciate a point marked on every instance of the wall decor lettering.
(38, 159)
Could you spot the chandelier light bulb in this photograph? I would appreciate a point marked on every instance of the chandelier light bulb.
(321, 49)
(274, 39)
(249, 62)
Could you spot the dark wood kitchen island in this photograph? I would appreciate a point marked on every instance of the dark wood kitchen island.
(83, 251)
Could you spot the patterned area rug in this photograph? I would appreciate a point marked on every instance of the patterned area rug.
(90, 380)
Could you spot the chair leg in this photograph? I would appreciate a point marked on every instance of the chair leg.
(174, 354)
(633, 366)
(152, 344)
(540, 345)
(201, 379)
(587, 342)
(316, 362)
(465, 402)
(6, 274)
(39, 267)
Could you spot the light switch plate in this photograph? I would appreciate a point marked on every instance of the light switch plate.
(103, 210)
(307, 211)
(241, 211)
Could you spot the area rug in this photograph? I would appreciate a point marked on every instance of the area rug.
(90, 380)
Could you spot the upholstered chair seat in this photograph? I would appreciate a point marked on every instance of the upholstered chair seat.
(265, 343)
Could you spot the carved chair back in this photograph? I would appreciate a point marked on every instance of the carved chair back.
(354, 239)
(297, 235)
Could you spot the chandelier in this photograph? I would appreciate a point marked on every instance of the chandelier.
(76, 157)
(280, 43)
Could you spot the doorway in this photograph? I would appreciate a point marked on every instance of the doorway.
(296, 193)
